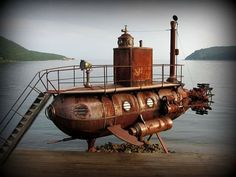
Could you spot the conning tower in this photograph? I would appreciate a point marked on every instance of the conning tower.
(132, 65)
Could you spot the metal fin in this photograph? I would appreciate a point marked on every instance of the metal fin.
(124, 135)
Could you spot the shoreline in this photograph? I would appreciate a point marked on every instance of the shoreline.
(76, 163)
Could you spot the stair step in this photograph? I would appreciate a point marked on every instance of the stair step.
(16, 131)
(36, 104)
(33, 106)
(39, 99)
(25, 118)
(28, 113)
(5, 145)
(8, 142)
(32, 110)
(8, 145)
(20, 125)
(11, 137)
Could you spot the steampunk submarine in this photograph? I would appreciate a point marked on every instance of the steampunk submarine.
(133, 98)
(132, 107)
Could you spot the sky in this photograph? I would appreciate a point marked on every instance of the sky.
(89, 29)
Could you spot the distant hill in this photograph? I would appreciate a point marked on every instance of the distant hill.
(214, 53)
(11, 51)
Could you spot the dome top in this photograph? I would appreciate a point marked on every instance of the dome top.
(125, 40)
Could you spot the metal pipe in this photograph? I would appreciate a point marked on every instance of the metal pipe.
(74, 75)
(172, 77)
(87, 84)
(140, 43)
(152, 126)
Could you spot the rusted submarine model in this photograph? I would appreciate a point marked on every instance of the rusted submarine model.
(131, 99)
(135, 105)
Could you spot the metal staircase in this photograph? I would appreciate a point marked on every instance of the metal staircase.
(24, 124)
(16, 122)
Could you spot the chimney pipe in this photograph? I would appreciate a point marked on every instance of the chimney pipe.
(172, 77)
(140, 43)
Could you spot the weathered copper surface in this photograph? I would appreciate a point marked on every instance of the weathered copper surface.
(133, 66)
(90, 115)
(124, 135)
(150, 127)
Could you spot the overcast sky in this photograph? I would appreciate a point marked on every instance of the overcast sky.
(89, 29)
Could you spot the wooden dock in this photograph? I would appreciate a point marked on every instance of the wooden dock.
(38, 163)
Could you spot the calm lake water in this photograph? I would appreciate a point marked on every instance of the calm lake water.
(214, 132)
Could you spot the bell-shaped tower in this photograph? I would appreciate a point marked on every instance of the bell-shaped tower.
(125, 40)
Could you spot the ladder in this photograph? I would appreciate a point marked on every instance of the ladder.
(17, 121)
(23, 126)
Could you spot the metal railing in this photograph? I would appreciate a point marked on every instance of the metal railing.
(62, 78)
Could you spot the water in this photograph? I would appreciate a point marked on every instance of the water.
(190, 133)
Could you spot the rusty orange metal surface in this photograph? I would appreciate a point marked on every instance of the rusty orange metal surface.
(133, 66)
(150, 127)
(90, 115)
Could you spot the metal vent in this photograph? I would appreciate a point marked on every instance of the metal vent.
(150, 102)
(81, 111)
(126, 106)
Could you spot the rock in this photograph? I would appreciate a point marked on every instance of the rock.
(129, 148)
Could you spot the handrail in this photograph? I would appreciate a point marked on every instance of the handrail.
(105, 77)
(7, 119)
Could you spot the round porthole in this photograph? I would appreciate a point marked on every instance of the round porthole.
(150, 102)
(126, 106)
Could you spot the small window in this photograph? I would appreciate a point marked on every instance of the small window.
(150, 102)
(126, 106)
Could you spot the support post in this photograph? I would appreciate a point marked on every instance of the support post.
(87, 84)
(172, 77)
(91, 145)
(162, 143)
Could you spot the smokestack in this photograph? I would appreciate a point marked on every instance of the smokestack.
(173, 50)
(140, 43)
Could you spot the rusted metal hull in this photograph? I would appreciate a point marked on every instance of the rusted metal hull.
(87, 117)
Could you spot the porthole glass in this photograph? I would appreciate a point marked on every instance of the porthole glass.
(126, 106)
(150, 102)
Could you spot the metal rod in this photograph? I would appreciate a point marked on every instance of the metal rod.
(162, 143)
(58, 81)
(162, 69)
(74, 74)
(172, 77)
(47, 78)
(104, 70)
(149, 137)
(172, 49)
